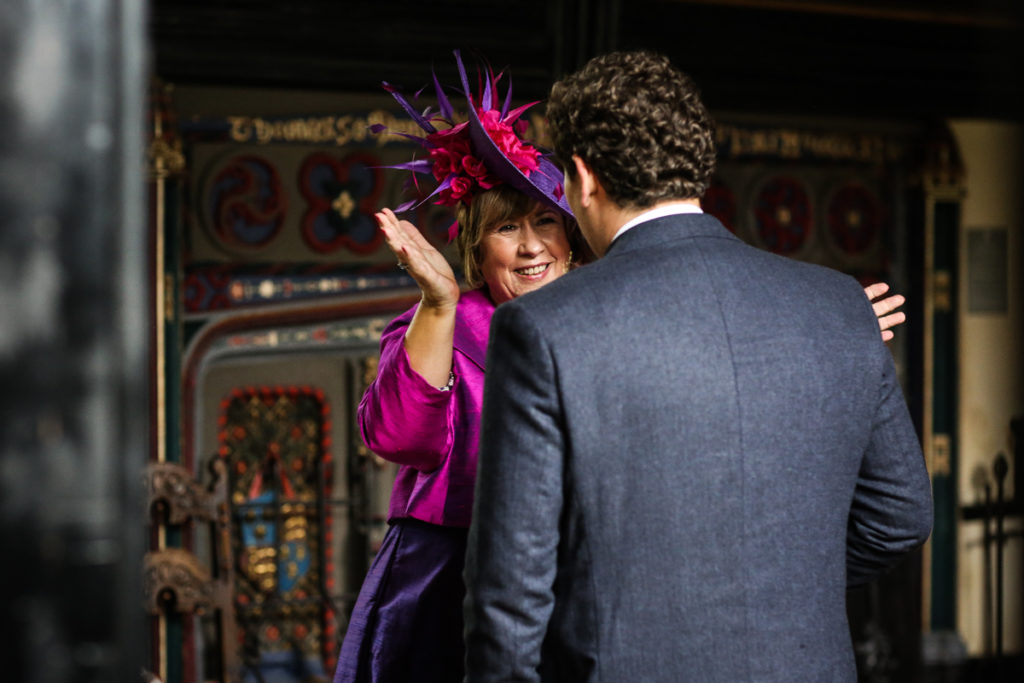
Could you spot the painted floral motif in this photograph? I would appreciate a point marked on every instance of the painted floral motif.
(341, 196)
(720, 202)
(782, 215)
(854, 218)
(246, 202)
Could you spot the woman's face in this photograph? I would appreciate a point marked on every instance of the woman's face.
(525, 253)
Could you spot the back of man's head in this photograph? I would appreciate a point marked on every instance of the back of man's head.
(639, 123)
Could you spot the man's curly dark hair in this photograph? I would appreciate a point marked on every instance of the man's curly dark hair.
(639, 123)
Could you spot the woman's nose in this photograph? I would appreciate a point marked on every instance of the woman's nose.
(530, 242)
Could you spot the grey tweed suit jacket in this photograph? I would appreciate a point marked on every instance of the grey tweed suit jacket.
(689, 450)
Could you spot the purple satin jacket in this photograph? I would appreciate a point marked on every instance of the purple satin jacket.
(432, 434)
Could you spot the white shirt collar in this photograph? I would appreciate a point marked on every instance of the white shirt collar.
(657, 212)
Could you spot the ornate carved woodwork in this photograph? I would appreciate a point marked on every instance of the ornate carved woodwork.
(175, 495)
(174, 578)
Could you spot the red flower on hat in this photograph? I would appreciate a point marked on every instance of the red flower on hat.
(447, 149)
(452, 158)
(460, 189)
(460, 168)
(476, 170)
(523, 155)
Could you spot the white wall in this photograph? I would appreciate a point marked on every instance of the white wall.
(991, 366)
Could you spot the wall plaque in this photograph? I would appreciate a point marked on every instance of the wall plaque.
(987, 290)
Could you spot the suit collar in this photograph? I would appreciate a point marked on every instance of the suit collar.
(660, 211)
(668, 229)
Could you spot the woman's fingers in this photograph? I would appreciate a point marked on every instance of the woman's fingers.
(887, 321)
(421, 261)
(386, 224)
(888, 304)
(401, 232)
(876, 290)
(411, 248)
(883, 308)
(415, 236)
(394, 235)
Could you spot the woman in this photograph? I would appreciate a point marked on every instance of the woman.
(423, 409)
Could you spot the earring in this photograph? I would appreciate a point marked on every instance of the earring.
(568, 262)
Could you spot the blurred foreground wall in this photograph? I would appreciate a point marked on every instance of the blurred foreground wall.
(73, 410)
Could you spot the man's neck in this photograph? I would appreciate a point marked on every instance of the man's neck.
(614, 217)
(630, 214)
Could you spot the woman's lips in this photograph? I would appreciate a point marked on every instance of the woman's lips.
(533, 272)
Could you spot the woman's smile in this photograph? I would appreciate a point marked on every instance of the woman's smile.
(533, 272)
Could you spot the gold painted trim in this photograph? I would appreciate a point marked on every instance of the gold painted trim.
(166, 157)
(942, 460)
(162, 627)
(927, 393)
(937, 290)
(162, 159)
(161, 544)
(160, 321)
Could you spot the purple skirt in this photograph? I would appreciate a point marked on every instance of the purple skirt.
(407, 622)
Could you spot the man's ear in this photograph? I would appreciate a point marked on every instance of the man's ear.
(588, 184)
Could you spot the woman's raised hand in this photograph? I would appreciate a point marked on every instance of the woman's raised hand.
(884, 307)
(422, 261)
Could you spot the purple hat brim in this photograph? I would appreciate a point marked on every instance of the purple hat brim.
(544, 185)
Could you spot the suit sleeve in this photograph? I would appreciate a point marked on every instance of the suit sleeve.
(513, 539)
(402, 417)
(891, 512)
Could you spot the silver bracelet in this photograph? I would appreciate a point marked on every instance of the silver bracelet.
(451, 382)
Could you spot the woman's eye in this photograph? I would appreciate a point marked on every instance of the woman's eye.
(508, 227)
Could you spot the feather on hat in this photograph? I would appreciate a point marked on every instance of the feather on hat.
(482, 152)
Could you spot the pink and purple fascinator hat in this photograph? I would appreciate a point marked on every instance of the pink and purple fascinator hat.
(482, 152)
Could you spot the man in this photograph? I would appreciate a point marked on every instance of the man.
(689, 448)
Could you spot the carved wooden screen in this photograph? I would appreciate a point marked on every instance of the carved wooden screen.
(307, 500)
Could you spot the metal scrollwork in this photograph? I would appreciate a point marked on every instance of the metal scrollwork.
(165, 154)
(173, 487)
(166, 158)
(175, 577)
